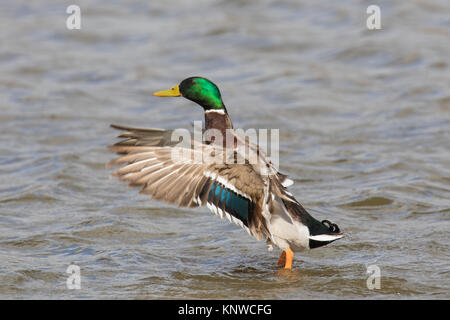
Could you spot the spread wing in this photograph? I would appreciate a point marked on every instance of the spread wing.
(190, 176)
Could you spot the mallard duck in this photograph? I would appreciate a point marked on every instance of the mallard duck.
(252, 194)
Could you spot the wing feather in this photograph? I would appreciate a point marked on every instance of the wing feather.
(147, 161)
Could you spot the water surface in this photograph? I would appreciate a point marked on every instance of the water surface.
(364, 120)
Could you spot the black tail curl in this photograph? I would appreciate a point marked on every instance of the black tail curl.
(332, 227)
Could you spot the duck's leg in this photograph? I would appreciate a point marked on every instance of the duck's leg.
(282, 259)
(289, 258)
(286, 259)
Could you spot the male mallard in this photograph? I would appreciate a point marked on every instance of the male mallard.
(251, 194)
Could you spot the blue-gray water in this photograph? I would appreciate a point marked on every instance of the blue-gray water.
(364, 120)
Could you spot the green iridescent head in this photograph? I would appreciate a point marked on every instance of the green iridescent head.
(197, 89)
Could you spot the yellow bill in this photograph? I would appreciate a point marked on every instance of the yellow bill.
(174, 92)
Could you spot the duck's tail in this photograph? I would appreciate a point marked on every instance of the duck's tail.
(332, 234)
(320, 233)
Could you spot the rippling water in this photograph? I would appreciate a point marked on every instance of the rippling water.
(365, 133)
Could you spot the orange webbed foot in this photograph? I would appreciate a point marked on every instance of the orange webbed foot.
(286, 258)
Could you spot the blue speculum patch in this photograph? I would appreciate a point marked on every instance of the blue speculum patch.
(233, 203)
